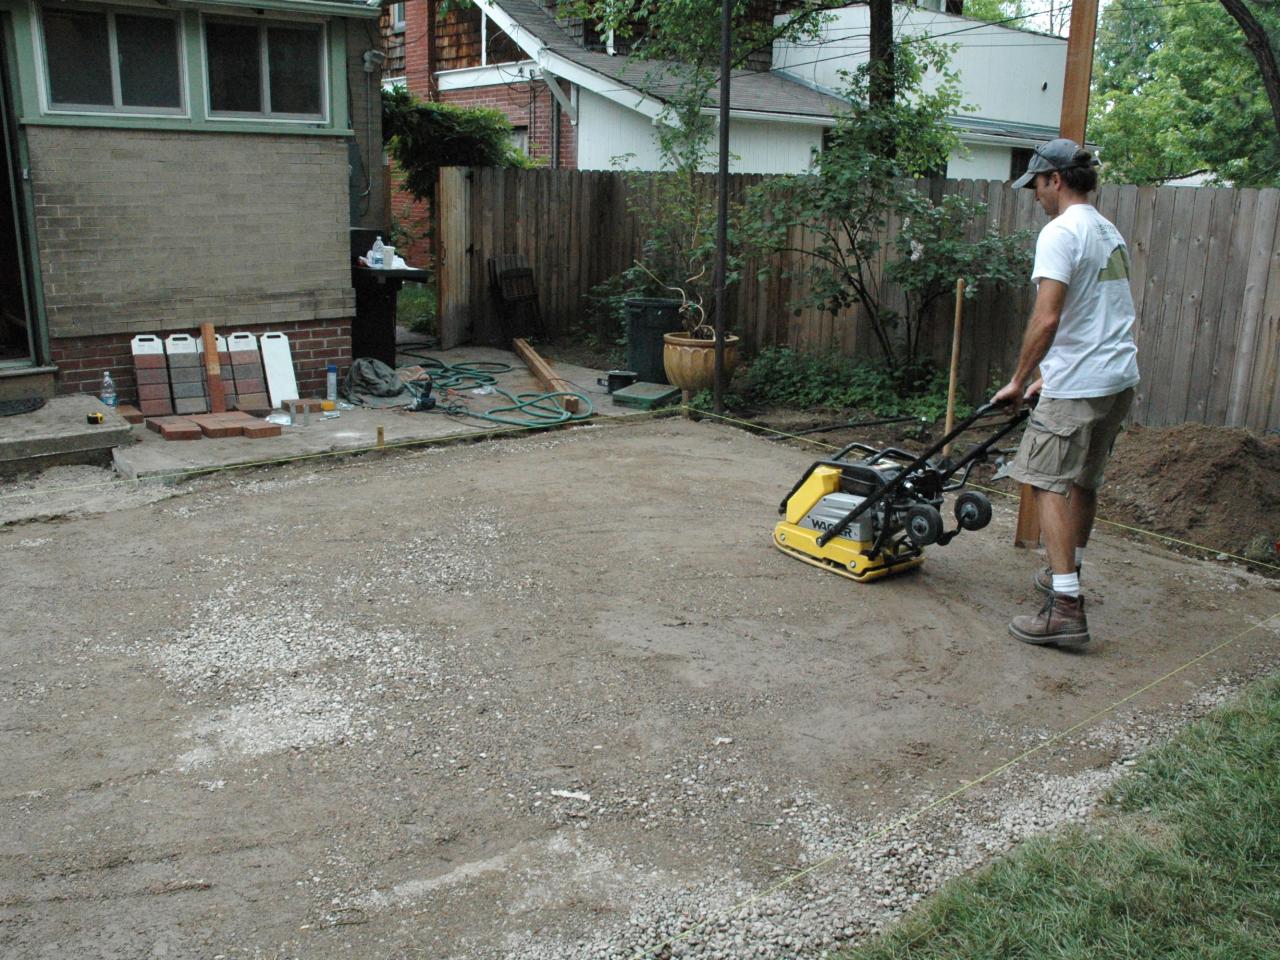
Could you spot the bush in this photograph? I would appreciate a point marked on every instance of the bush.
(783, 377)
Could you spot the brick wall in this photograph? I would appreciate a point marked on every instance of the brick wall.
(533, 113)
(314, 345)
(146, 231)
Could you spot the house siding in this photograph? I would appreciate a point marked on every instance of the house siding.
(151, 232)
(625, 135)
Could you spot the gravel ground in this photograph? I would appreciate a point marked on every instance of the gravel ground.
(543, 698)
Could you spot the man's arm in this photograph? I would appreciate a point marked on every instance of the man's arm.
(1041, 329)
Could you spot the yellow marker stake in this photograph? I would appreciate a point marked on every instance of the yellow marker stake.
(382, 440)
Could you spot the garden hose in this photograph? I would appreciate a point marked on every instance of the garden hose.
(460, 376)
(524, 410)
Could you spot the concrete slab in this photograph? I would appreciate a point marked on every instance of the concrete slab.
(59, 433)
(357, 430)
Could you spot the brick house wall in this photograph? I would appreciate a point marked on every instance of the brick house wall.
(457, 46)
(149, 231)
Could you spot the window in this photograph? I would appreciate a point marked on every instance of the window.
(1019, 159)
(104, 60)
(265, 69)
(397, 18)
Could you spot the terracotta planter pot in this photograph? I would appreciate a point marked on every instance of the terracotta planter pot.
(691, 363)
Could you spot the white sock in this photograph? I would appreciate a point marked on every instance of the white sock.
(1079, 558)
(1067, 584)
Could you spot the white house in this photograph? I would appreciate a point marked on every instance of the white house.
(576, 102)
(1011, 79)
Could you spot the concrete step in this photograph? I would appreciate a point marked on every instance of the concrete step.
(59, 432)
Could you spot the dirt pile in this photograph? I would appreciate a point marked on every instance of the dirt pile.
(1216, 486)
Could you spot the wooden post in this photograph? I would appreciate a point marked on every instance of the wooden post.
(1075, 85)
(955, 364)
(213, 370)
(1075, 113)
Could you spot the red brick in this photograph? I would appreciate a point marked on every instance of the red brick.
(217, 425)
(259, 430)
(129, 412)
(150, 360)
(156, 408)
(153, 391)
(152, 375)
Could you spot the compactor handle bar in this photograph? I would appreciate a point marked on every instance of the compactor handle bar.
(889, 486)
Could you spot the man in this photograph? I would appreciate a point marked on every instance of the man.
(1080, 335)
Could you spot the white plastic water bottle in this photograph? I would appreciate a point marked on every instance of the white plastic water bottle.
(376, 258)
(108, 394)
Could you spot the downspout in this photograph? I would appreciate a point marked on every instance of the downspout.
(433, 85)
(555, 134)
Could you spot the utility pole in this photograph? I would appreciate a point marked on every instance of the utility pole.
(1075, 85)
(722, 212)
(1075, 114)
(881, 91)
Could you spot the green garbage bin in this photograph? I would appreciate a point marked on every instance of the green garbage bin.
(648, 318)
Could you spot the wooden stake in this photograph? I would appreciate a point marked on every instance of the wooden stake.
(1027, 533)
(955, 363)
(213, 370)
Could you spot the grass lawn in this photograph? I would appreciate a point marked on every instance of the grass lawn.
(1183, 863)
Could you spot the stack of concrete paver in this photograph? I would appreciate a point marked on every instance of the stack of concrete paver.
(173, 387)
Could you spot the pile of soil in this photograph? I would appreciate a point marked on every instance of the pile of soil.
(1215, 486)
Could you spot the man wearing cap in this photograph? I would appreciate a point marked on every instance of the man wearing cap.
(1080, 335)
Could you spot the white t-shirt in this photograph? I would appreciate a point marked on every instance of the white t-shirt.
(1093, 353)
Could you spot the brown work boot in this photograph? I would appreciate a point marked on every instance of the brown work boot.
(1044, 580)
(1061, 621)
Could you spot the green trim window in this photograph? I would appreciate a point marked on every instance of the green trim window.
(265, 69)
(112, 61)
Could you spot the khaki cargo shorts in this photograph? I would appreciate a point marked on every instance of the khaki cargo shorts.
(1070, 441)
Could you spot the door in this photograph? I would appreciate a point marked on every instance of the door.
(17, 312)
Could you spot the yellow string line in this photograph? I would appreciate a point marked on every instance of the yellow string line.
(963, 788)
(351, 452)
(1004, 493)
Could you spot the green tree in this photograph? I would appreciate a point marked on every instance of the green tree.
(424, 137)
(1177, 92)
(859, 190)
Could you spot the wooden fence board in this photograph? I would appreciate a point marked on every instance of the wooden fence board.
(1205, 274)
(1260, 253)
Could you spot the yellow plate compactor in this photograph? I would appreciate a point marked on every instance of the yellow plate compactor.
(866, 513)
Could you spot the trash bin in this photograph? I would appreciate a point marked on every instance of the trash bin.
(648, 318)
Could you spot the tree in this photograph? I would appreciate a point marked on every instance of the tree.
(859, 190)
(1177, 92)
(424, 137)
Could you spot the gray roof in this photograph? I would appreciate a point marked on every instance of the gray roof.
(749, 90)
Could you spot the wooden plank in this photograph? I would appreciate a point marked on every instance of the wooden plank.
(1147, 330)
(1255, 287)
(1210, 320)
(1180, 343)
(1245, 206)
(213, 370)
(545, 374)
(1266, 349)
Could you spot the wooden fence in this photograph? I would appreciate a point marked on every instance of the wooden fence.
(1205, 274)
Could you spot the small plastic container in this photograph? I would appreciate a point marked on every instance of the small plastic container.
(108, 394)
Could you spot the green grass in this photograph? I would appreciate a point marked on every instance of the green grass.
(416, 307)
(1185, 863)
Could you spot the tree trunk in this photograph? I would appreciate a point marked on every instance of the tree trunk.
(881, 52)
(1260, 46)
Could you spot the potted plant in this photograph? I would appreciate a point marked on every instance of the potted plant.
(688, 354)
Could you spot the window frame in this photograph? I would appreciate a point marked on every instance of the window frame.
(117, 108)
(397, 17)
(266, 115)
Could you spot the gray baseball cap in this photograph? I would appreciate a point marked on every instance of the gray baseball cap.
(1054, 155)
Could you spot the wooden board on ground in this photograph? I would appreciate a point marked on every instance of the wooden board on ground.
(545, 374)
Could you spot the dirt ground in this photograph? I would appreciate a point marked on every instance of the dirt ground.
(549, 697)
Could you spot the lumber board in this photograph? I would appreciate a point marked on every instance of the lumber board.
(544, 373)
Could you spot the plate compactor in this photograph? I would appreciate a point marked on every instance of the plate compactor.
(872, 516)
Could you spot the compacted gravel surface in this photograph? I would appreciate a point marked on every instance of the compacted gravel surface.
(553, 697)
